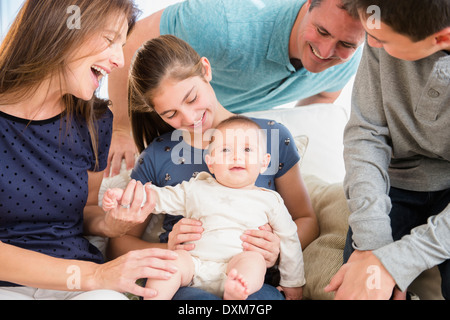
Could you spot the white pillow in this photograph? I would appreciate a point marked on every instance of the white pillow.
(324, 125)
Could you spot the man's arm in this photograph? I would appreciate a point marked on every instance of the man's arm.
(367, 156)
(122, 145)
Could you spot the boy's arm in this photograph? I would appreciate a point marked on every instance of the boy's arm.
(367, 156)
(427, 246)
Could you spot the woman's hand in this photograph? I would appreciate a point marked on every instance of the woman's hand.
(183, 231)
(129, 209)
(122, 273)
(263, 241)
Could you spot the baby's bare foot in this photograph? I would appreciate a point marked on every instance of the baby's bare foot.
(235, 287)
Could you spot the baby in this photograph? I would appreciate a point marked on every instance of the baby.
(227, 205)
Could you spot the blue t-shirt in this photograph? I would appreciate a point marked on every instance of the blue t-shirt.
(44, 184)
(247, 43)
(169, 160)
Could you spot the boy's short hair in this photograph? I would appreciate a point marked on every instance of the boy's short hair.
(416, 19)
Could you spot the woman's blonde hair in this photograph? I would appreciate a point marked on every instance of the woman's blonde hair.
(40, 41)
(165, 57)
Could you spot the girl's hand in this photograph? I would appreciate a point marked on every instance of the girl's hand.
(122, 273)
(129, 210)
(122, 148)
(185, 230)
(292, 293)
(263, 241)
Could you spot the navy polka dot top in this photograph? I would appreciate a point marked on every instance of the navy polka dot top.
(44, 184)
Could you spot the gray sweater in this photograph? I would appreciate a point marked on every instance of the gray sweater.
(398, 135)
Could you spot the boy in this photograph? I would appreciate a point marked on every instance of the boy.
(397, 150)
(227, 206)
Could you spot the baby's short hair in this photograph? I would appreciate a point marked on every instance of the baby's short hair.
(238, 119)
(245, 122)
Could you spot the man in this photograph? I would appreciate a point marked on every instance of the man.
(397, 151)
(265, 53)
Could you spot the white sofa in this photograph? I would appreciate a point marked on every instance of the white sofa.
(318, 131)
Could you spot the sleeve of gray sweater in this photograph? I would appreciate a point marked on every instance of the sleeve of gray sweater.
(385, 94)
(367, 156)
(427, 246)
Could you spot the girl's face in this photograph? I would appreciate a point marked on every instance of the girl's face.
(189, 104)
(98, 57)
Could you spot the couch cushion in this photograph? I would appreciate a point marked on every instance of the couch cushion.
(323, 257)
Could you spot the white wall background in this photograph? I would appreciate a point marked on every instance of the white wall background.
(150, 6)
(9, 9)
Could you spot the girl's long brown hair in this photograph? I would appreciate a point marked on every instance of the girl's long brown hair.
(164, 57)
(40, 41)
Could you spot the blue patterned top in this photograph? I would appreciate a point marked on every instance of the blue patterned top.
(44, 184)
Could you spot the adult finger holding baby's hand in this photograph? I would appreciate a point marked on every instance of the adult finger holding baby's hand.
(132, 208)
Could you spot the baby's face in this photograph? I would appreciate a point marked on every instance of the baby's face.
(236, 157)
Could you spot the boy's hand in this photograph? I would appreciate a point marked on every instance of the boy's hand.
(350, 282)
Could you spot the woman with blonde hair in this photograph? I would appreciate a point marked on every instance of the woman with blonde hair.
(55, 142)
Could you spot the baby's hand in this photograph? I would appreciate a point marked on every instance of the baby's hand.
(293, 293)
(125, 209)
(111, 198)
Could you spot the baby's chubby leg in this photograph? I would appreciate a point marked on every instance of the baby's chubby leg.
(245, 273)
(166, 289)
